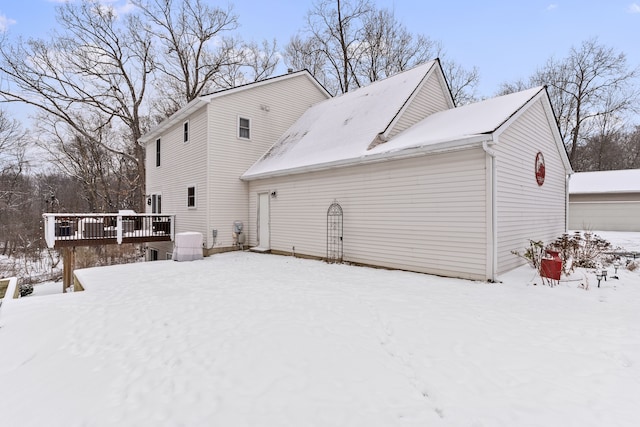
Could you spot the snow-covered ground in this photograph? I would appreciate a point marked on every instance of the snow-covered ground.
(243, 339)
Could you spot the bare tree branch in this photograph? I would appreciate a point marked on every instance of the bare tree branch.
(592, 91)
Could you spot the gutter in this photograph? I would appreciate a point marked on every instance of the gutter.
(442, 147)
(492, 262)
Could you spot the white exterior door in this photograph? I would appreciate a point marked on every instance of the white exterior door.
(263, 221)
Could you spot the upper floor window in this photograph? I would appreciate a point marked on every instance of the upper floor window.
(185, 131)
(191, 196)
(157, 152)
(244, 128)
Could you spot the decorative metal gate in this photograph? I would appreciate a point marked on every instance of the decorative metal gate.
(334, 233)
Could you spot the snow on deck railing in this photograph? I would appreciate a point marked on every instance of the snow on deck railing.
(71, 229)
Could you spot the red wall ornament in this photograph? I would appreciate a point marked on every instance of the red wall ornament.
(540, 168)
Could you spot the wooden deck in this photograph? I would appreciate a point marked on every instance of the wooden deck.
(77, 229)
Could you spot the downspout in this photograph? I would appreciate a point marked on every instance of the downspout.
(493, 244)
(566, 202)
(208, 234)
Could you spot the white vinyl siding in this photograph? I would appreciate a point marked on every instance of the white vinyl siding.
(428, 100)
(525, 209)
(272, 108)
(606, 215)
(423, 214)
(183, 165)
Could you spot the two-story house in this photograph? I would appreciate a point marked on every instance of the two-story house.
(391, 175)
(195, 158)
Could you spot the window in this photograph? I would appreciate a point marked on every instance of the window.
(157, 152)
(244, 128)
(185, 130)
(153, 255)
(191, 197)
(169, 255)
(156, 203)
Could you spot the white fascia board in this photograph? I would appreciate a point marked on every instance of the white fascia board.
(431, 148)
(177, 117)
(270, 80)
(409, 100)
(553, 125)
(197, 103)
(519, 112)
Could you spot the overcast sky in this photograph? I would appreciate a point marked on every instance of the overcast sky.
(506, 40)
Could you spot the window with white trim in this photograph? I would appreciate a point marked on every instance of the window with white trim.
(191, 196)
(185, 131)
(244, 128)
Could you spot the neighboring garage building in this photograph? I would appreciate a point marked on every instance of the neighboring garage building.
(393, 175)
(605, 200)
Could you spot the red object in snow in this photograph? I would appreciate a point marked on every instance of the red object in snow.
(551, 267)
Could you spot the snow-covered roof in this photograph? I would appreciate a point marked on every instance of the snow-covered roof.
(460, 124)
(618, 181)
(339, 131)
(343, 127)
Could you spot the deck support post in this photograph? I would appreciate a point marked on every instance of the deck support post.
(68, 264)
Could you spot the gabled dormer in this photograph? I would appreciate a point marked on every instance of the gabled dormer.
(430, 96)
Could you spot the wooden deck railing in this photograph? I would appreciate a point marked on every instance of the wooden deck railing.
(77, 229)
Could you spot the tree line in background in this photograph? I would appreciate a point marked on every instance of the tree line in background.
(595, 95)
(102, 80)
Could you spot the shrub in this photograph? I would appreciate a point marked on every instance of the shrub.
(567, 247)
(632, 266)
(581, 250)
(533, 254)
(576, 250)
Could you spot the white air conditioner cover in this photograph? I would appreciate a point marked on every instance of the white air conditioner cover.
(188, 246)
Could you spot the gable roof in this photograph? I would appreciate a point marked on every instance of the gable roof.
(455, 128)
(343, 127)
(203, 100)
(469, 122)
(617, 181)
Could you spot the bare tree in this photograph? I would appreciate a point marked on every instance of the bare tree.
(104, 180)
(260, 60)
(463, 82)
(91, 76)
(519, 85)
(592, 90)
(13, 181)
(197, 52)
(333, 39)
(301, 54)
(350, 43)
(251, 62)
(13, 143)
(389, 48)
(192, 45)
(631, 148)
